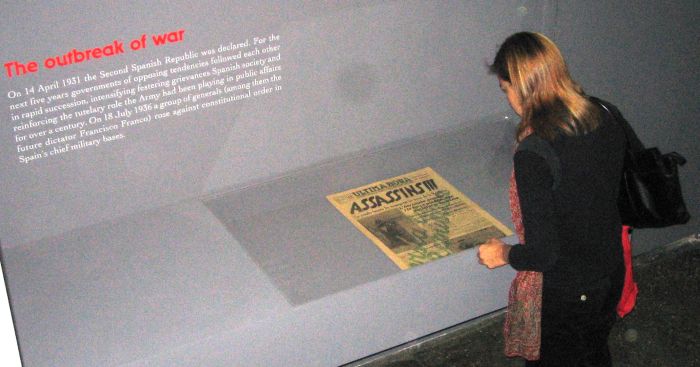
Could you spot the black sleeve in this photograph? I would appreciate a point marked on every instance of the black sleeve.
(542, 244)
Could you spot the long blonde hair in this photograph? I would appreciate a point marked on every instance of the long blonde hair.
(552, 102)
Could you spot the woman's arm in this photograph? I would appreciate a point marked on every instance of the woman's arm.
(542, 244)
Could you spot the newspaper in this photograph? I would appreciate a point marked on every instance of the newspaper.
(417, 217)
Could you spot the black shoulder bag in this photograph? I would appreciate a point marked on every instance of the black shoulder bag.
(650, 190)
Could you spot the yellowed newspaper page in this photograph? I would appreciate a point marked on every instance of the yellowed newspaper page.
(417, 217)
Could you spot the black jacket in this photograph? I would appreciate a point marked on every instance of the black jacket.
(572, 226)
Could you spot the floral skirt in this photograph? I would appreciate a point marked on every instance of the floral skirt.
(521, 329)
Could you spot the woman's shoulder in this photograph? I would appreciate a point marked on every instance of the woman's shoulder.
(543, 149)
(608, 112)
(536, 144)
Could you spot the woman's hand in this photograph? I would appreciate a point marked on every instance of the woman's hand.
(493, 253)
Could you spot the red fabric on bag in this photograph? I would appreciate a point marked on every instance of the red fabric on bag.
(629, 291)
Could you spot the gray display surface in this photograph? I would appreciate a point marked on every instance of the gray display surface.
(181, 219)
(308, 249)
(173, 287)
(205, 239)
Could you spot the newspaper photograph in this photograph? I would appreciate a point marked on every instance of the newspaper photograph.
(417, 217)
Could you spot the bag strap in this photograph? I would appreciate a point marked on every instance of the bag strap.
(633, 142)
(542, 148)
(615, 119)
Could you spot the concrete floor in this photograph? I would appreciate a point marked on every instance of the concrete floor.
(661, 331)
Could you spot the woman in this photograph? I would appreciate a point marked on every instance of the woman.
(564, 189)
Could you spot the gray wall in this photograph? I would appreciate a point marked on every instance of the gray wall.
(643, 56)
(356, 76)
(153, 251)
(206, 239)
